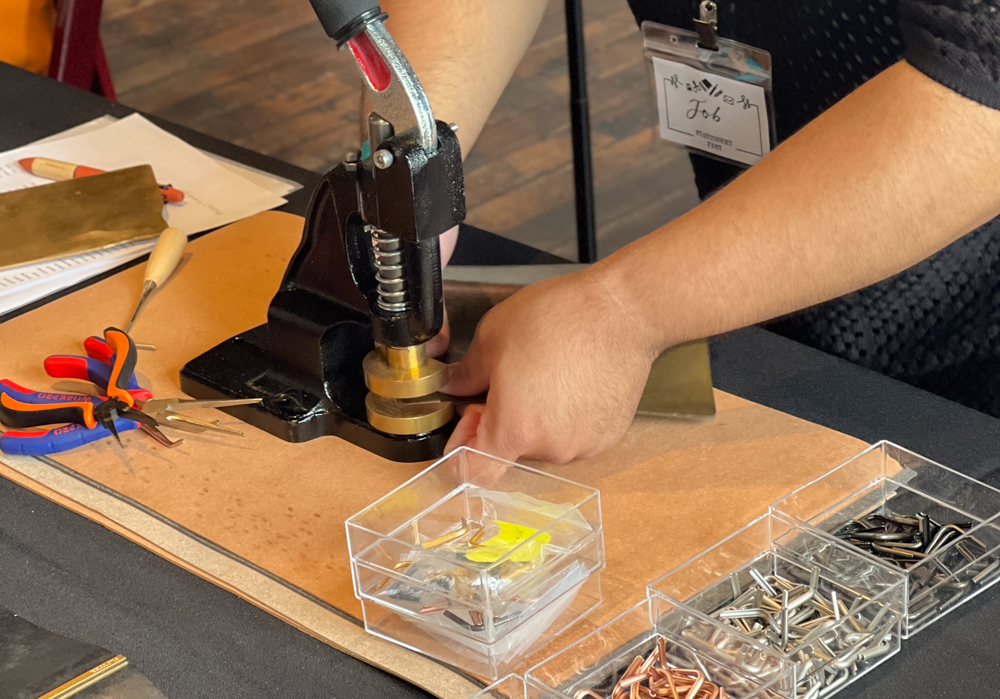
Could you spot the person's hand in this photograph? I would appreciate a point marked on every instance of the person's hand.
(565, 362)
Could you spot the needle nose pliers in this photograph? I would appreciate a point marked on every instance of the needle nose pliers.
(16, 410)
(57, 439)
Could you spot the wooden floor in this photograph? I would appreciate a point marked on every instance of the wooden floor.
(263, 74)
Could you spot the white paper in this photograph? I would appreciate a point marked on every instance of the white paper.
(272, 183)
(23, 285)
(276, 185)
(216, 193)
(715, 114)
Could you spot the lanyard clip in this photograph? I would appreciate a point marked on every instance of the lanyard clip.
(708, 25)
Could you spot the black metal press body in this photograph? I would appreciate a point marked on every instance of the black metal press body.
(367, 271)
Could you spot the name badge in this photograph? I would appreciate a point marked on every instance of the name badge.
(713, 95)
(710, 113)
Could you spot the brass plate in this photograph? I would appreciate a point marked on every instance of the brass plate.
(78, 216)
(680, 383)
(395, 417)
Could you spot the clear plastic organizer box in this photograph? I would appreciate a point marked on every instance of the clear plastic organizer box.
(887, 484)
(842, 613)
(596, 664)
(478, 561)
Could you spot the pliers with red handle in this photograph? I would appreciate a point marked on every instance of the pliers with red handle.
(95, 367)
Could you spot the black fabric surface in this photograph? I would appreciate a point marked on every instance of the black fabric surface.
(936, 325)
(187, 636)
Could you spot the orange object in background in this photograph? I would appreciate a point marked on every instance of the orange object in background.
(26, 31)
(58, 170)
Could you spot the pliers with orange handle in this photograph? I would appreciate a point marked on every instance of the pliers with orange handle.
(81, 410)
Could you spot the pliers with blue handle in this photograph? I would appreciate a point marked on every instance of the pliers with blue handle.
(86, 411)
(57, 439)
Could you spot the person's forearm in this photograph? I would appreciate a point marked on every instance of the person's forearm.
(885, 178)
(463, 52)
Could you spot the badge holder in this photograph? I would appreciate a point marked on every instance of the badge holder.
(714, 95)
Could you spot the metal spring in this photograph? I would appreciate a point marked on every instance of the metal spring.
(392, 296)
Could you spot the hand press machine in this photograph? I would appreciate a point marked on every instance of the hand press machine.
(343, 351)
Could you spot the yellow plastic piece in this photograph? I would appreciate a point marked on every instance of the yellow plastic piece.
(510, 537)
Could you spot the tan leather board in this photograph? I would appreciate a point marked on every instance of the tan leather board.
(669, 490)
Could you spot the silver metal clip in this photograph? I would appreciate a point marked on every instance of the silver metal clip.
(707, 25)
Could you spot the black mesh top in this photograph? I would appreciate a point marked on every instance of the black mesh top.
(936, 325)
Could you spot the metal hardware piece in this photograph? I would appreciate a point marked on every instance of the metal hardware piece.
(351, 160)
(945, 561)
(755, 574)
(394, 416)
(985, 572)
(403, 103)
(707, 25)
(391, 284)
(163, 439)
(382, 158)
(653, 677)
(395, 376)
(403, 372)
(447, 538)
(829, 629)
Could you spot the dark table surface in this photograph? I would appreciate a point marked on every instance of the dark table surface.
(193, 639)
